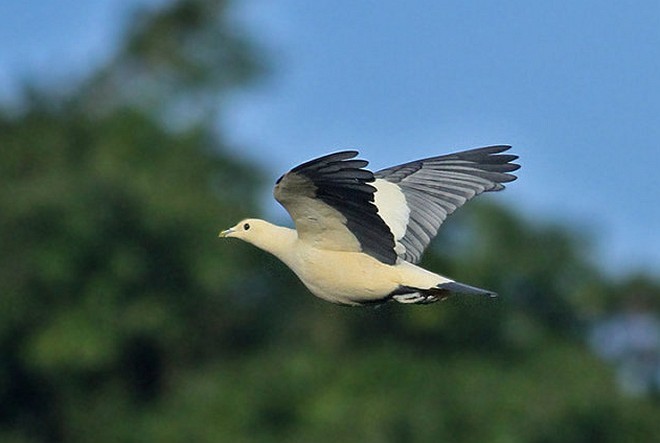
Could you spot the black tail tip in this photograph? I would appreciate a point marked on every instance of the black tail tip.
(462, 288)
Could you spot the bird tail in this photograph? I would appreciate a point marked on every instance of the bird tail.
(408, 294)
(462, 288)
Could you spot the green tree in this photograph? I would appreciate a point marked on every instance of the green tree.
(111, 282)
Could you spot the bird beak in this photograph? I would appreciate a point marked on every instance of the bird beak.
(226, 232)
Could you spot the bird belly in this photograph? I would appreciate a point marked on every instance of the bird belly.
(350, 278)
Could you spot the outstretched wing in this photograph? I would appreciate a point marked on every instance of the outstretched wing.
(435, 187)
(331, 201)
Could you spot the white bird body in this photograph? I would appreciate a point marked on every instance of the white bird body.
(349, 278)
(358, 234)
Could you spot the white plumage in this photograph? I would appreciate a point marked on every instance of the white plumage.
(393, 209)
(359, 235)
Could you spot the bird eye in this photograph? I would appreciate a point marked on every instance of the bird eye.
(246, 226)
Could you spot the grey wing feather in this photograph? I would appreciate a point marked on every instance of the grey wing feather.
(437, 186)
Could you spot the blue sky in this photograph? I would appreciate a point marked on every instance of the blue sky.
(574, 86)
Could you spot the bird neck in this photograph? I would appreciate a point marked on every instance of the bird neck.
(277, 240)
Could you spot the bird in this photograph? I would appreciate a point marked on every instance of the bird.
(359, 235)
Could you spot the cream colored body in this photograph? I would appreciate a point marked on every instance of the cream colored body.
(351, 278)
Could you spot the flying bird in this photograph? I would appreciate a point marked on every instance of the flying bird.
(359, 235)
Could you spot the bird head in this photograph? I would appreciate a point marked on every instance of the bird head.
(245, 229)
(271, 238)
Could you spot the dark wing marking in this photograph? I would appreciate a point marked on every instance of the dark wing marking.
(332, 204)
(437, 186)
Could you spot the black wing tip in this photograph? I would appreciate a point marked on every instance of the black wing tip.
(488, 150)
(492, 155)
(339, 155)
(486, 155)
(500, 148)
(326, 159)
(351, 152)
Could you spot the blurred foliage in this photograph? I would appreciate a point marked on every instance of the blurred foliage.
(124, 319)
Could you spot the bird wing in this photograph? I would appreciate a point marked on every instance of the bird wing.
(331, 201)
(435, 187)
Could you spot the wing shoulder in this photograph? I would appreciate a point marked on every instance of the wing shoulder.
(331, 200)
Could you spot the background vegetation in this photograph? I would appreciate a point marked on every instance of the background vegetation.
(124, 318)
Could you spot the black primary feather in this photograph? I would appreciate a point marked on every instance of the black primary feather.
(342, 183)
